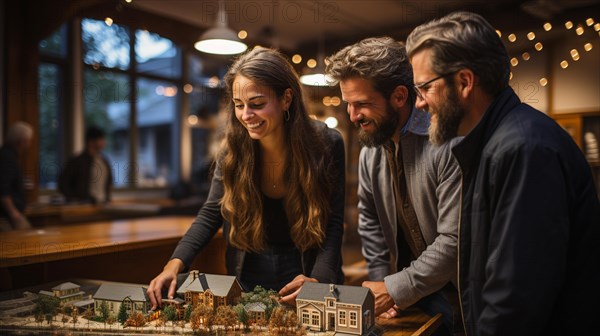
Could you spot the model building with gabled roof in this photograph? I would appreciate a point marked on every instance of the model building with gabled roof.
(66, 292)
(210, 289)
(328, 307)
(134, 298)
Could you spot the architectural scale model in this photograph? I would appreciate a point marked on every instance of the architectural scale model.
(206, 303)
(329, 307)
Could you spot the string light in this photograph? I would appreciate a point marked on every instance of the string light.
(192, 119)
(579, 30)
(597, 27)
(547, 26)
(539, 46)
(512, 37)
(242, 34)
(188, 88)
(311, 63)
(543, 81)
(514, 61)
(589, 22)
(531, 36)
(526, 56)
(499, 33)
(296, 59)
(564, 64)
(108, 21)
(336, 101)
(587, 46)
(568, 24)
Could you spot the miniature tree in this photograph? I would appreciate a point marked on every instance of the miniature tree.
(110, 320)
(122, 316)
(88, 315)
(226, 316)
(104, 312)
(188, 312)
(277, 319)
(202, 315)
(136, 320)
(268, 297)
(39, 318)
(74, 316)
(47, 305)
(169, 313)
(291, 320)
(242, 315)
(49, 318)
(64, 320)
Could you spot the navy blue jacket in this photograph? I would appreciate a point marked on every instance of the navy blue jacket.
(529, 260)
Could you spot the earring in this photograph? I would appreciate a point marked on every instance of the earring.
(286, 115)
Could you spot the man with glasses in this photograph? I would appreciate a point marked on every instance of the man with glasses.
(528, 260)
(408, 189)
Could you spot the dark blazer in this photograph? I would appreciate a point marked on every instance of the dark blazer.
(74, 180)
(529, 260)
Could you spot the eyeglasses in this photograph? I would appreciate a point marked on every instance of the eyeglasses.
(424, 86)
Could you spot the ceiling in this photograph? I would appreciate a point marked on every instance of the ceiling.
(299, 24)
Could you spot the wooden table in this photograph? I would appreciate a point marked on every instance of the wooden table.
(133, 250)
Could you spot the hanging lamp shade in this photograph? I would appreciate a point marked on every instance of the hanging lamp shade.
(220, 39)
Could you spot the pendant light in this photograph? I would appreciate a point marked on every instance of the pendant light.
(220, 39)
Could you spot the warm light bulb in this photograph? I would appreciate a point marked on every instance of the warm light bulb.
(597, 27)
(242, 34)
(512, 37)
(568, 24)
(543, 81)
(575, 57)
(327, 101)
(526, 56)
(108, 21)
(188, 88)
(531, 36)
(587, 46)
(499, 33)
(514, 61)
(547, 26)
(336, 101)
(589, 22)
(192, 119)
(311, 63)
(539, 46)
(579, 30)
(331, 122)
(296, 59)
(564, 64)
(574, 52)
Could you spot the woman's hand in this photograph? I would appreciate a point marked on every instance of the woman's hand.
(292, 289)
(168, 277)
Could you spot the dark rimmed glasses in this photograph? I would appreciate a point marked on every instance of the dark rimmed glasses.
(425, 86)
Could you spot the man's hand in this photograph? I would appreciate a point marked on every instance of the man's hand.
(292, 289)
(383, 301)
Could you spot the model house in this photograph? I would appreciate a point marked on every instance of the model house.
(329, 307)
(132, 296)
(67, 292)
(257, 312)
(210, 289)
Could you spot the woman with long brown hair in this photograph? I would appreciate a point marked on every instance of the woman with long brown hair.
(278, 187)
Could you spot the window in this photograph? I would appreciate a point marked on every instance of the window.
(342, 317)
(316, 321)
(305, 317)
(53, 51)
(142, 138)
(330, 303)
(353, 319)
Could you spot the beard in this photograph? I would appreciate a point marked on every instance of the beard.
(384, 129)
(448, 117)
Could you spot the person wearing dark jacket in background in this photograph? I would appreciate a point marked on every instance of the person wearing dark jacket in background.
(529, 262)
(87, 177)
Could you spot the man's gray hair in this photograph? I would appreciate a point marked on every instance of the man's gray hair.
(464, 40)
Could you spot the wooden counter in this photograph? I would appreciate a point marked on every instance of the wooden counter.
(133, 250)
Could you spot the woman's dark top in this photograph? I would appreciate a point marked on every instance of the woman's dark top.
(323, 264)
